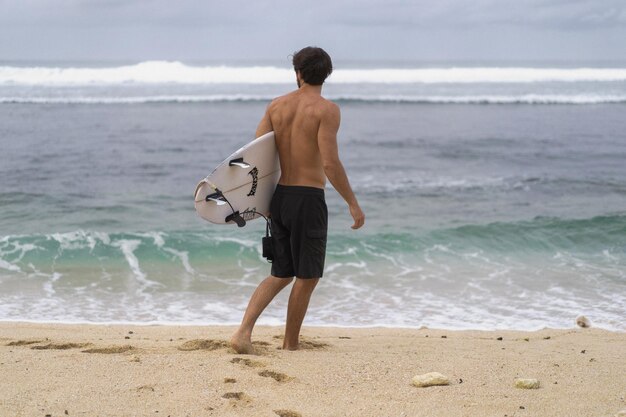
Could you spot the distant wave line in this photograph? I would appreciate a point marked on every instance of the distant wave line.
(168, 72)
(468, 99)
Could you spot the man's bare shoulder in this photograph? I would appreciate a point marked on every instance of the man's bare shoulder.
(328, 109)
(330, 106)
(286, 97)
(278, 101)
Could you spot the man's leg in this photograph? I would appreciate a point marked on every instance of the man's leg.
(262, 296)
(296, 310)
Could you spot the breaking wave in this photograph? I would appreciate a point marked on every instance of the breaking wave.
(158, 72)
(216, 98)
(515, 275)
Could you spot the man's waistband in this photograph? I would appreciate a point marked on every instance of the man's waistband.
(299, 189)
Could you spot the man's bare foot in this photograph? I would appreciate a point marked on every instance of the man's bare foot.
(290, 347)
(241, 344)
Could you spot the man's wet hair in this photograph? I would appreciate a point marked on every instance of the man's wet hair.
(314, 65)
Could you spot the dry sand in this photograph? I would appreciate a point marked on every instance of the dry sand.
(122, 370)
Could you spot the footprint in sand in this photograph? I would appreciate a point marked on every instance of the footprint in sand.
(248, 362)
(229, 380)
(287, 413)
(275, 375)
(234, 395)
(203, 344)
(236, 398)
(308, 344)
(261, 347)
(111, 349)
(24, 342)
(61, 346)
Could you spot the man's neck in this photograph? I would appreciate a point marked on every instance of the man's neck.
(311, 89)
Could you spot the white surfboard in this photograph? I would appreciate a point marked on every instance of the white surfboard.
(241, 185)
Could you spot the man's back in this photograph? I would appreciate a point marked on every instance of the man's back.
(296, 120)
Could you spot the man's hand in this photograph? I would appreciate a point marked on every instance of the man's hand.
(358, 216)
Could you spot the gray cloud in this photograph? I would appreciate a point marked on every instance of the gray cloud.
(358, 29)
(549, 14)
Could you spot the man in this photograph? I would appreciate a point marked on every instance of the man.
(305, 127)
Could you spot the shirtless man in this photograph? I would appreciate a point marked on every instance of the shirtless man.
(305, 126)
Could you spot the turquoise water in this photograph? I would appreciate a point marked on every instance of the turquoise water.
(485, 207)
(507, 274)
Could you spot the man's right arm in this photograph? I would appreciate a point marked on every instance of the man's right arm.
(265, 125)
(333, 168)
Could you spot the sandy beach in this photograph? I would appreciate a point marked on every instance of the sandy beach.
(125, 370)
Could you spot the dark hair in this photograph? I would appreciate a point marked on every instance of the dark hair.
(314, 65)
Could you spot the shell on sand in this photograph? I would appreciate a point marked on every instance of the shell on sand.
(527, 383)
(430, 379)
(583, 321)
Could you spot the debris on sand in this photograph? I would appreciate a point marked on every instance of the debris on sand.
(583, 322)
(430, 379)
(526, 383)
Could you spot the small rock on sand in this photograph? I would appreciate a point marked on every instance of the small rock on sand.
(430, 379)
(527, 383)
(583, 321)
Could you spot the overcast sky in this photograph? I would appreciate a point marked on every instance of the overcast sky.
(226, 30)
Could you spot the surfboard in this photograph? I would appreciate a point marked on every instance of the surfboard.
(241, 187)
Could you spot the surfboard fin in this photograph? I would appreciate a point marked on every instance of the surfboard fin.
(239, 162)
(218, 198)
(235, 217)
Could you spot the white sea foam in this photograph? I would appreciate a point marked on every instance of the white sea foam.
(244, 243)
(184, 258)
(9, 266)
(79, 239)
(157, 237)
(367, 183)
(48, 286)
(128, 248)
(358, 305)
(164, 72)
(159, 241)
(149, 72)
(135, 99)
(12, 248)
(374, 98)
(479, 75)
(361, 265)
(494, 99)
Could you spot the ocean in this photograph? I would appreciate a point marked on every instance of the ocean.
(494, 194)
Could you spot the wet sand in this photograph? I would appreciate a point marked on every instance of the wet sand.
(123, 370)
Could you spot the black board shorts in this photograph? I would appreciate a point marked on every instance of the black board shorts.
(299, 226)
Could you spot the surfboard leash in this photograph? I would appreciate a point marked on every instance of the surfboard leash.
(219, 198)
